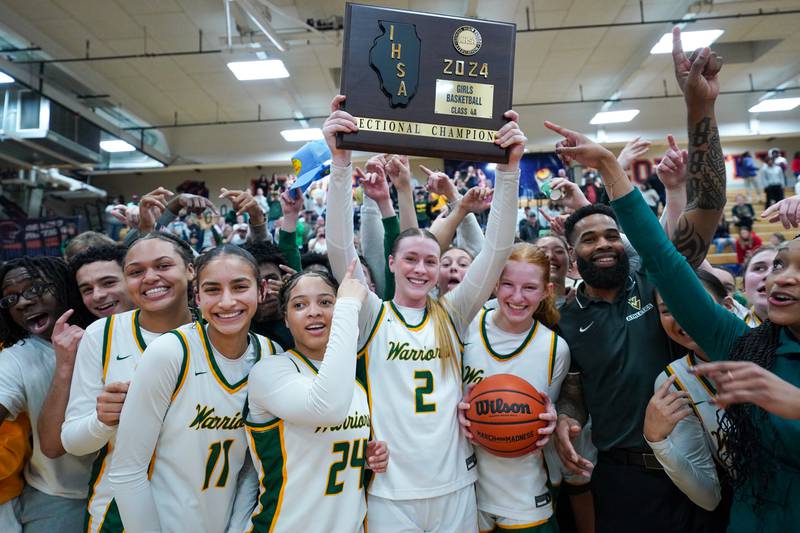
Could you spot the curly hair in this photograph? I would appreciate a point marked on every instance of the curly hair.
(743, 452)
(106, 252)
(52, 270)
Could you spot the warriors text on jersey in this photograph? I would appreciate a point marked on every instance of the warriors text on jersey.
(413, 398)
(311, 478)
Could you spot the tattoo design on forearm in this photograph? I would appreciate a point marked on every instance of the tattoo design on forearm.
(705, 182)
(689, 242)
(570, 401)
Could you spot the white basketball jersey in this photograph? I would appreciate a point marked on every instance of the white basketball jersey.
(514, 487)
(413, 399)
(203, 444)
(311, 478)
(700, 391)
(121, 350)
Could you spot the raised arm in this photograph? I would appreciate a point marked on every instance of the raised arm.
(477, 200)
(287, 238)
(698, 78)
(399, 171)
(709, 324)
(244, 202)
(468, 297)
(372, 235)
(65, 341)
(277, 388)
(339, 222)
(671, 170)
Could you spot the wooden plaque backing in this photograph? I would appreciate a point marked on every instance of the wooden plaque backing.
(366, 98)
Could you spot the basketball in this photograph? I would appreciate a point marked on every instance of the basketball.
(504, 415)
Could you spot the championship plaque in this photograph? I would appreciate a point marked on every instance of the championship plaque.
(426, 84)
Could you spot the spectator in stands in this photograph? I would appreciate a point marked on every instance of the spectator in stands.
(317, 243)
(722, 235)
(796, 165)
(651, 197)
(748, 171)
(423, 208)
(274, 211)
(529, 227)
(261, 200)
(776, 238)
(746, 244)
(773, 180)
(743, 213)
(239, 235)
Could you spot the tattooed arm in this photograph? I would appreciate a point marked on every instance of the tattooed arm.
(697, 76)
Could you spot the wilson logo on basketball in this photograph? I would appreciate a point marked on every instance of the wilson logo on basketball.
(499, 407)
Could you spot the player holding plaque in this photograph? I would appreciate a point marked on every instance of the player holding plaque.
(425, 84)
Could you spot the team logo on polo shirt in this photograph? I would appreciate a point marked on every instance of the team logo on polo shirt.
(635, 302)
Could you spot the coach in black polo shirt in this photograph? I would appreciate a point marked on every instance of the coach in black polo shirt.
(618, 348)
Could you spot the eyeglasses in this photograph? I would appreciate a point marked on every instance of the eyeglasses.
(34, 291)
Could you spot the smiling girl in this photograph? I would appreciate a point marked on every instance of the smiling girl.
(309, 423)
(158, 272)
(183, 415)
(517, 338)
(412, 349)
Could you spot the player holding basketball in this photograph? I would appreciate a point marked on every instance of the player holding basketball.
(411, 347)
(308, 429)
(183, 415)
(158, 271)
(516, 338)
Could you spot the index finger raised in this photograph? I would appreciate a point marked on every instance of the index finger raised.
(677, 45)
(552, 126)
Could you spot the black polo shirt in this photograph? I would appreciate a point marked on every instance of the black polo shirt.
(619, 348)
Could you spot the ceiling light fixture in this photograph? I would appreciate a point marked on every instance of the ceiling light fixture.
(775, 104)
(258, 70)
(613, 117)
(117, 145)
(5, 78)
(302, 134)
(690, 40)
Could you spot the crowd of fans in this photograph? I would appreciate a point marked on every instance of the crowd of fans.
(363, 315)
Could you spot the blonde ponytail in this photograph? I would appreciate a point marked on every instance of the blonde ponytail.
(443, 330)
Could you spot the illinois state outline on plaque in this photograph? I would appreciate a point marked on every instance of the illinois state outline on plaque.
(395, 56)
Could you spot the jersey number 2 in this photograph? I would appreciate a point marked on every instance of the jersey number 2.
(426, 376)
(214, 452)
(356, 461)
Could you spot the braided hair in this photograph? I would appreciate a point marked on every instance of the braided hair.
(52, 270)
(745, 454)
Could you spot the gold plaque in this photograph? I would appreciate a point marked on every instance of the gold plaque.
(467, 40)
(464, 99)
